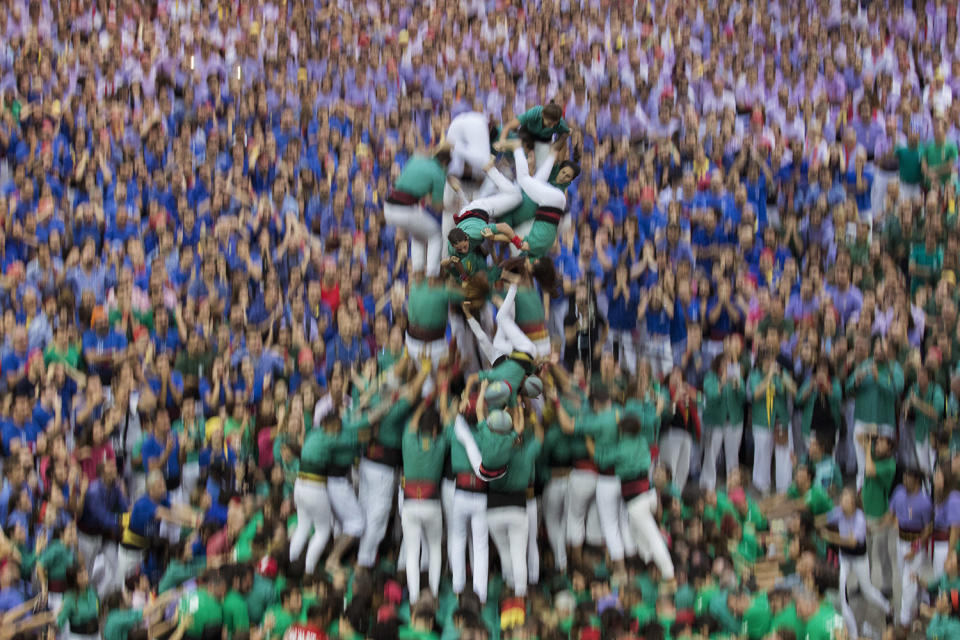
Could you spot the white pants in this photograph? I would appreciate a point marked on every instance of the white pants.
(764, 451)
(422, 520)
(313, 512)
(536, 186)
(675, 446)
(488, 349)
(346, 508)
(647, 534)
(426, 240)
(506, 197)
(190, 477)
(469, 516)
(909, 191)
(609, 502)
(469, 133)
(626, 352)
(581, 489)
(510, 530)
(533, 551)
(909, 570)
(378, 490)
(881, 547)
(659, 353)
(926, 456)
(554, 497)
(940, 551)
(128, 563)
(434, 351)
(860, 567)
(860, 427)
(509, 337)
(712, 444)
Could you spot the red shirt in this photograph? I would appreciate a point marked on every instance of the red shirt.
(332, 297)
(301, 631)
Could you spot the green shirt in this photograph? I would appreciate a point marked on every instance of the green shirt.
(923, 425)
(532, 121)
(602, 427)
(757, 618)
(261, 595)
(71, 356)
(120, 622)
(178, 572)
(392, 425)
(283, 619)
(645, 410)
(937, 155)
(428, 305)
(528, 307)
(943, 628)
(720, 611)
(235, 616)
(509, 371)
(521, 467)
(807, 399)
(474, 228)
(541, 238)
(766, 414)
(909, 159)
(877, 488)
(422, 176)
(875, 399)
(205, 610)
(927, 265)
(318, 447)
(196, 434)
(824, 624)
(787, 619)
(79, 608)
(56, 559)
(423, 456)
(630, 458)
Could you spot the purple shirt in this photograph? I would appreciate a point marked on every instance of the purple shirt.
(947, 513)
(914, 512)
(855, 525)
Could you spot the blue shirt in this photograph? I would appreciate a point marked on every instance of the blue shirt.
(102, 508)
(152, 448)
(658, 322)
(143, 520)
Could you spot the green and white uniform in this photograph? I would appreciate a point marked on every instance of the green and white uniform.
(421, 177)
(427, 314)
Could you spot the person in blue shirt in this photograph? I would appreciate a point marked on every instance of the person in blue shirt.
(346, 346)
(103, 348)
(90, 275)
(623, 296)
(161, 452)
(99, 526)
(859, 184)
(656, 308)
(166, 383)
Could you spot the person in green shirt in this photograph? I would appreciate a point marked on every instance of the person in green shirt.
(769, 386)
(938, 158)
(204, 607)
(758, 618)
(821, 621)
(507, 517)
(819, 391)
(54, 559)
(536, 127)
(236, 618)
(784, 612)
(722, 418)
(909, 165)
(428, 305)
(925, 403)
(81, 605)
(727, 608)
(926, 261)
(279, 617)
(422, 618)
(425, 446)
(420, 177)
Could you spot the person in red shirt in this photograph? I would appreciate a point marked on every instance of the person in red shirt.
(319, 617)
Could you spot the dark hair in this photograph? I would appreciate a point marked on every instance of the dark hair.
(457, 235)
(630, 425)
(552, 111)
(546, 276)
(573, 165)
(443, 157)
(429, 421)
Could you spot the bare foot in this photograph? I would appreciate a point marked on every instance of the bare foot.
(454, 182)
(490, 163)
(507, 145)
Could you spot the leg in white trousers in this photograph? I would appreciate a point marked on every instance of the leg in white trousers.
(426, 239)
(536, 186)
(469, 133)
(469, 514)
(732, 436)
(313, 512)
(909, 569)
(554, 496)
(510, 530)
(581, 489)
(712, 444)
(506, 198)
(784, 464)
(509, 337)
(128, 563)
(762, 454)
(860, 567)
(926, 456)
(533, 551)
(487, 348)
(879, 546)
(675, 446)
(608, 508)
(626, 348)
(345, 506)
(940, 551)
(422, 520)
(378, 488)
(858, 429)
(646, 533)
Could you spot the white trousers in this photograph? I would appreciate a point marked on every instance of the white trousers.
(313, 513)
(581, 489)
(646, 533)
(675, 448)
(859, 428)
(859, 566)
(609, 501)
(764, 451)
(345, 506)
(510, 530)
(422, 520)
(533, 551)
(509, 337)
(488, 350)
(190, 477)
(536, 186)
(626, 352)
(712, 445)
(940, 551)
(128, 563)
(426, 241)
(659, 353)
(881, 547)
(469, 517)
(378, 490)
(554, 497)
(909, 570)
(506, 197)
(469, 133)
(434, 351)
(926, 456)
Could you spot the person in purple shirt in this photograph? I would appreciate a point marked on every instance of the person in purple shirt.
(911, 507)
(846, 297)
(851, 537)
(946, 516)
